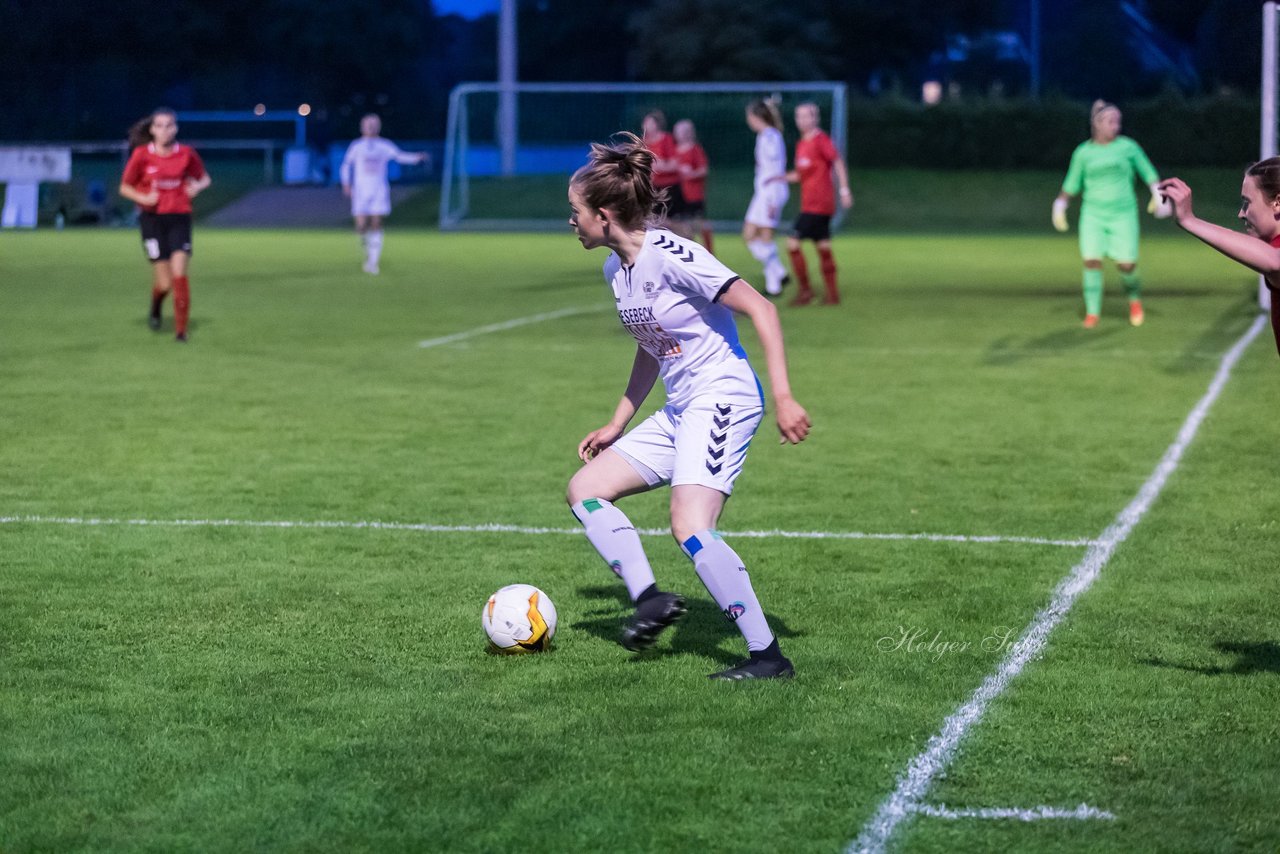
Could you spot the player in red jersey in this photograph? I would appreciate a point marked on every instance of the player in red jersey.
(816, 160)
(162, 177)
(689, 217)
(666, 169)
(1259, 247)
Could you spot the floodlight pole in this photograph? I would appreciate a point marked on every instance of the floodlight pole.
(507, 125)
(1268, 146)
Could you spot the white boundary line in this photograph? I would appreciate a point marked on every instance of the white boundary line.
(916, 781)
(507, 324)
(1083, 812)
(499, 528)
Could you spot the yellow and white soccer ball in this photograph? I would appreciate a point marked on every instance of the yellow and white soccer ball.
(519, 618)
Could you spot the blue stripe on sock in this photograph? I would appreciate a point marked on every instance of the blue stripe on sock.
(692, 546)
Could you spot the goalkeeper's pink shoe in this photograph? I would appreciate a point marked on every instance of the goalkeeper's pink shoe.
(1090, 321)
(1136, 317)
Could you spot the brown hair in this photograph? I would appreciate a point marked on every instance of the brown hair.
(619, 176)
(659, 118)
(1267, 175)
(767, 110)
(140, 131)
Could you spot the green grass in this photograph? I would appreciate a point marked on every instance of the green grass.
(230, 688)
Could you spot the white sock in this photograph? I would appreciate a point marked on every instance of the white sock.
(726, 579)
(766, 252)
(615, 538)
(374, 246)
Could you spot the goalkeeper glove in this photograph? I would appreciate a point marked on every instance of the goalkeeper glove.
(1159, 207)
(1060, 215)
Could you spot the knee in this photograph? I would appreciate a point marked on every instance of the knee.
(1093, 265)
(1126, 268)
(793, 245)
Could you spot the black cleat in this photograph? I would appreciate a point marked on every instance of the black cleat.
(153, 321)
(650, 619)
(180, 338)
(757, 668)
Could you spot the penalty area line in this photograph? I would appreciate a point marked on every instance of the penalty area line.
(499, 528)
(917, 779)
(506, 324)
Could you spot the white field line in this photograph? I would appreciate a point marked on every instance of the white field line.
(916, 780)
(499, 528)
(1083, 812)
(507, 324)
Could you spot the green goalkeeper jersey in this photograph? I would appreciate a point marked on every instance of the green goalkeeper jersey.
(1103, 174)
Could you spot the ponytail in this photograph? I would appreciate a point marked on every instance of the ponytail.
(619, 176)
(767, 110)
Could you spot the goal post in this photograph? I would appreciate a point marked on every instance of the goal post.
(557, 122)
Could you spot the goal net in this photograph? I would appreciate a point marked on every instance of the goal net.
(516, 179)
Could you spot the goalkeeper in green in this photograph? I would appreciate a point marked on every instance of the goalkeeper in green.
(1101, 172)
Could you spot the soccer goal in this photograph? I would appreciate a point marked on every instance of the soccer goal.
(556, 122)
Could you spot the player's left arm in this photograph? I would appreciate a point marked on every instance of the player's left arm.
(742, 298)
(198, 178)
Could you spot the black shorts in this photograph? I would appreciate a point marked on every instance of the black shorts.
(809, 226)
(165, 234)
(690, 210)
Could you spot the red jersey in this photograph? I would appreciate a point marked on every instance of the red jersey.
(663, 147)
(147, 170)
(814, 157)
(693, 189)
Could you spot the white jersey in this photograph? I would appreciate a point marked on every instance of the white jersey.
(771, 157)
(668, 301)
(364, 170)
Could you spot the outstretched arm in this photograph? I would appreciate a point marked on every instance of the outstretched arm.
(793, 421)
(1255, 254)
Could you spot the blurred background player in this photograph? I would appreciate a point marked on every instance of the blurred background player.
(364, 181)
(683, 322)
(666, 169)
(162, 177)
(689, 218)
(770, 195)
(1102, 170)
(816, 160)
(1259, 248)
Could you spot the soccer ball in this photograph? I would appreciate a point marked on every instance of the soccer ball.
(519, 618)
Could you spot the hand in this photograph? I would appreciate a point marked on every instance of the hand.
(846, 198)
(1177, 195)
(793, 421)
(1060, 215)
(424, 157)
(193, 189)
(597, 440)
(149, 199)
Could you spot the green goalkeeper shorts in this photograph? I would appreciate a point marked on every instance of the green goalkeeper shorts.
(1109, 235)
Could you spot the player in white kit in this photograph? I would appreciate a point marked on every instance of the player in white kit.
(364, 181)
(770, 195)
(678, 302)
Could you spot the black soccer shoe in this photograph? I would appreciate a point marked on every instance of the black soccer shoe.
(651, 617)
(180, 338)
(153, 321)
(757, 668)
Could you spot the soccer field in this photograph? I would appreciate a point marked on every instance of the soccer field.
(1026, 571)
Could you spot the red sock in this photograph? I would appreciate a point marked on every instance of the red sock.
(181, 304)
(801, 270)
(829, 273)
(706, 239)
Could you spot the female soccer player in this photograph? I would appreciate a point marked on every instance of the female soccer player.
(162, 177)
(1259, 248)
(666, 168)
(770, 196)
(678, 302)
(690, 217)
(816, 159)
(364, 181)
(1102, 170)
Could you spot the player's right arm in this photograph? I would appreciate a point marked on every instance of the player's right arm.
(1071, 186)
(644, 373)
(347, 170)
(1257, 255)
(132, 177)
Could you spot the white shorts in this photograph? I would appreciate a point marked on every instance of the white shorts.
(371, 201)
(705, 444)
(766, 205)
